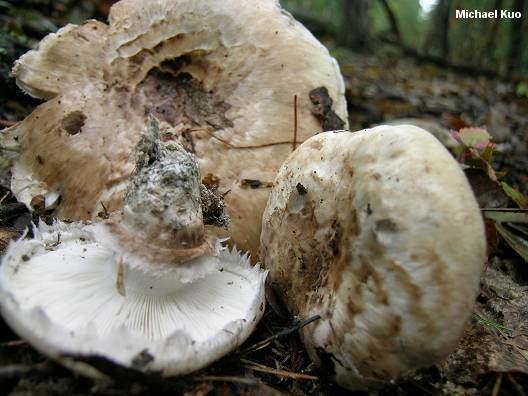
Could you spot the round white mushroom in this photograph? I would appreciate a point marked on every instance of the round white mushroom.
(222, 76)
(379, 233)
(149, 289)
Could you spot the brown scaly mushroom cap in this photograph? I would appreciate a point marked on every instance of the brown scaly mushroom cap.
(220, 75)
(379, 233)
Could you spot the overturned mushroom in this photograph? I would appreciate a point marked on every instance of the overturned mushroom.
(223, 76)
(149, 289)
(378, 232)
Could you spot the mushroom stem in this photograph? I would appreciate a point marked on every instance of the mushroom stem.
(163, 203)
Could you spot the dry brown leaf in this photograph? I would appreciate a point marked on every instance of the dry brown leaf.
(488, 348)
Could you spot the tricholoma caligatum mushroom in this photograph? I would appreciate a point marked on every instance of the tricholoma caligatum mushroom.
(379, 233)
(221, 76)
(151, 288)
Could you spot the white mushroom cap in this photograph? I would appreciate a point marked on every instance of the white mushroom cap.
(221, 75)
(378, 232)
(73, 299)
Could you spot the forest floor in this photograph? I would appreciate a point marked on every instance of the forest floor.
(492, 357)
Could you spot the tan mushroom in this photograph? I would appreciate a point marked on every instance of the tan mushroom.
(222, 76)
(379, 233)
(149, 289)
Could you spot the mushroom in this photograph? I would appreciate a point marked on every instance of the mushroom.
(149, 289)
(379, 233)
(230, 80)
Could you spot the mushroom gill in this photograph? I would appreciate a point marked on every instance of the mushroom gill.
(150, 281)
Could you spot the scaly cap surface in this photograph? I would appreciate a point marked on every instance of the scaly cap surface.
(220, 75)
(378, 232)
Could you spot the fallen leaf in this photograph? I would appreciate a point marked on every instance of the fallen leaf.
(516, 242)
(491, 347)
(519, 198)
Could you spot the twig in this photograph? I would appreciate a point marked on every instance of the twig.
(19, 370)
(282, 373)
(252, 363)
(4, 197)
(7, 123)
(234, 146)
(264, 343)
(105, 210)
(497, 385)
(14, 343)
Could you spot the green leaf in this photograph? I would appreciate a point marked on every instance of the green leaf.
(507, 215)
(474, 137)
(522, 88)
(491, 323)
(487, 153)
(516, 242)
(518, 197)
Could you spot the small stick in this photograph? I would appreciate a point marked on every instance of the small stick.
(234, 146)
(7, 123)
(20, 370)
(14, 343)
(4, 197)
(105, 211)
(282, 373)
(497, 385)
(251, 363)
(264, 343)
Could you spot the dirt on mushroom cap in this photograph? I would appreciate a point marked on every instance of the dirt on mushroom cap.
(384, 240)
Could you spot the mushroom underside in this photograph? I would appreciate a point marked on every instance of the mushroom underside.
(72, 298)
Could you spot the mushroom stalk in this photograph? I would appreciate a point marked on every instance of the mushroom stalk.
(149, 281)
(162, 207)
